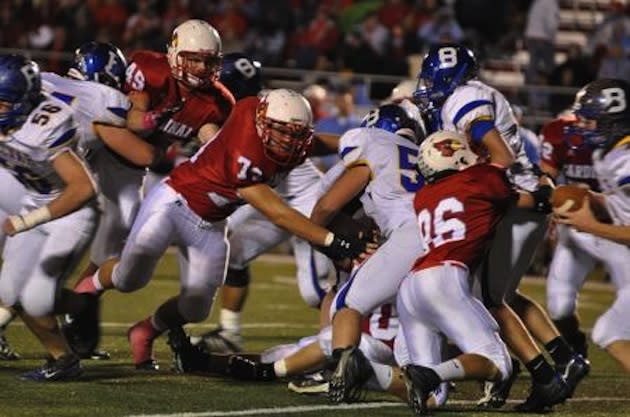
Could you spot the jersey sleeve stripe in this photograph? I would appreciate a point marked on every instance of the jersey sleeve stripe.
(64, 139)
(118, 111)
(469, 107)
(345, 151)
(623, 181)
(68, 99)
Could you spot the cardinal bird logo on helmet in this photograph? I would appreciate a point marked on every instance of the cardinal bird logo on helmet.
(447, 147)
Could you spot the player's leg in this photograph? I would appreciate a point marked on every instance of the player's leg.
(312, 272)
(250, 235)
(515, 240)
(612, 329)
(568, 269)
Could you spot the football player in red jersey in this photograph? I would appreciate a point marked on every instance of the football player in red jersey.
(261, 141)
(177, 97)
(458, 211)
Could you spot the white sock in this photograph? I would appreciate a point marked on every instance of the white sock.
(280, 368)
(383, 374)
(97, 282)
(230, 320)
(6, 316)
(450, 370)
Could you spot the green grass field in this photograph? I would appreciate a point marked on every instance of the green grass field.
(274, 315)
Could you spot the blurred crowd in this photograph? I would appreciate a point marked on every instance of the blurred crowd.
(369, 36)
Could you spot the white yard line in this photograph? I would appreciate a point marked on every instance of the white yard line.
(358, 406)
(211, 326)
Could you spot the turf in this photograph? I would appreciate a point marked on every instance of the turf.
(274, 315)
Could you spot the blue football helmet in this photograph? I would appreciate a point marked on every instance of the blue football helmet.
(403, 120)
(241, 75)
(607, 102)
(444, 68)
(20, 88)
(100, 62)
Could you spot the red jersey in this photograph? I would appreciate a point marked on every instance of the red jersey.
(149, 71)
(234, 159)
(575, 164)
(459, 213)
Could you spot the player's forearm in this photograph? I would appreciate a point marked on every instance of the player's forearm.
(73, 197)
(128, 145)
(616, 233)
(299, 225)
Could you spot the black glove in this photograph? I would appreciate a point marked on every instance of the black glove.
(249, 370)
(541, 199)
(344, 247)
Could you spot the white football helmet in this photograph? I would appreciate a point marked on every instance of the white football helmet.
(445, 151)
(403, 90)
(195, 42)
(284, 122)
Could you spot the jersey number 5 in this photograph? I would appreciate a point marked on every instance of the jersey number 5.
(441, 226)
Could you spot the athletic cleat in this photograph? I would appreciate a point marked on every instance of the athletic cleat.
(352, 372)
(141, 336)
(219, 340)
(6, 352)
(186, 357)
(497, 393)
(246, 369)
(97, 355)
(421, 382)
(574, 371)
(83, 332)
(316, 383)
(67, 367)
(543, 397)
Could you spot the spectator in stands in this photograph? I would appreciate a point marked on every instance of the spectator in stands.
(143, 30)
(611, 39)
(317, 41)
(316, 96)
(267, 40)
(543, 20)
(364, 46)
(577, 70)
(338, 123)
(443, 28)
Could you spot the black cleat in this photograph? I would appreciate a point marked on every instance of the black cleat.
(352, 372)
(83, 331)
(543, 397)
(574, 371)
(186, 357)
(246, 369)
(148, 365)
(497, 393)
(65, 368)
(421, 382)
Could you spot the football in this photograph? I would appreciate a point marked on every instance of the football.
(568, 198)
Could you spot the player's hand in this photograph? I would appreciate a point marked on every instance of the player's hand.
(8, 228)
(582, 219)
(162, 116)
(542, 199)
(348, 247)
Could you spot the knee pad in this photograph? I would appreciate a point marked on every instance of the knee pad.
(560, 305)
(237, 277)
(497, 353)
(36, 304)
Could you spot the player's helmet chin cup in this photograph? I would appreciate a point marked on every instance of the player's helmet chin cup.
(402, 119)
(607, 102)
(20, 89)
(444, 68)
(195, 53)
(99, 62)
(284, 122)
(444, 152)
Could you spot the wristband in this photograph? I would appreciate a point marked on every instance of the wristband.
(31, 219)
(330, 237)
